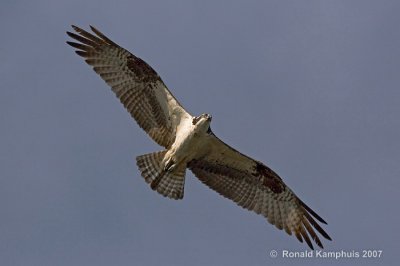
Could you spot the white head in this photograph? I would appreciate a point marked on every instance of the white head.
(202, 122)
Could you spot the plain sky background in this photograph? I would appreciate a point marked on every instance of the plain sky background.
(311, 88)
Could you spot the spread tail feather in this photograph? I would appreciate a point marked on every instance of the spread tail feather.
(168, 184)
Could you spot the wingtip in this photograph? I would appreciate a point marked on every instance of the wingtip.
(310, 245)
(328, 237)
(70, 34)
(322, 220)
(93, 28)
(313, 213)
(76, 28)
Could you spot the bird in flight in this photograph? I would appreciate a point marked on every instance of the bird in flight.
(189, 142)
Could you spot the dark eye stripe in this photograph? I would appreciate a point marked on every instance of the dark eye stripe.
(195, 120)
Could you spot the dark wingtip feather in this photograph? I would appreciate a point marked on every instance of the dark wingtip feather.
(102, 36)
(93, 28)
(319, 243)
(76, 28)
(74, 36)
(328, 237)
(313, 213)
(306, 237)
(82, 53)
(73, 44)
(84, 38)
(317, 226)
(298, 236)
(78, 45)
(70, 34)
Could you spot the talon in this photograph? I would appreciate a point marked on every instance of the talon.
(169, 166)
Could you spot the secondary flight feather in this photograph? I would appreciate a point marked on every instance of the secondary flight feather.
(189, 143)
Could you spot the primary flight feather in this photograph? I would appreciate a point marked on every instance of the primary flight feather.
(190, 143)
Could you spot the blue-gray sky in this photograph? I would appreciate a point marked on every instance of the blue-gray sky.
(311, 88)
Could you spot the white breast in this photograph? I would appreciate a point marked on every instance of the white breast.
(188, 143)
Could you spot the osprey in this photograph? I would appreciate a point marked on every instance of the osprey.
(190, 143)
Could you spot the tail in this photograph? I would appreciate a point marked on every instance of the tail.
(168, 184)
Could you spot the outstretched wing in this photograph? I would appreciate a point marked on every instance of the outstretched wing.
(135, 83)
(256, 187)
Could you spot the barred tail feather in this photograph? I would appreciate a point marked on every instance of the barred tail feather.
(168, 184)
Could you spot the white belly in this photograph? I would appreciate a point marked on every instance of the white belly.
(188, 145)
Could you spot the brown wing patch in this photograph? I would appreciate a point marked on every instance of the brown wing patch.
(143, 71)
(269, 178)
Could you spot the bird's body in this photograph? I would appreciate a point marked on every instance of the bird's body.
(189, 143)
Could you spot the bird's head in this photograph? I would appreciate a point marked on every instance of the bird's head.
(202, 122)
